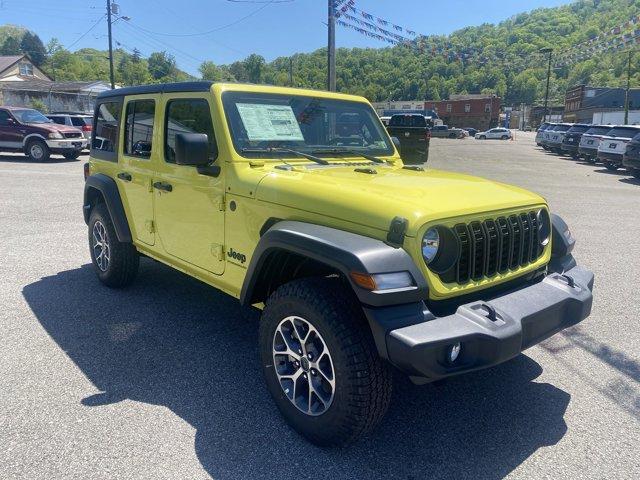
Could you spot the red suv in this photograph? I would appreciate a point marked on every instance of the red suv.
(29, 131)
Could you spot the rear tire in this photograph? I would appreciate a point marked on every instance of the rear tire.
(37, 151)
(482, 137)
(611, 166)
(324, 308)
(636, 173)
(72, 155)
(505, 137)
(116, 263)
(590, 160)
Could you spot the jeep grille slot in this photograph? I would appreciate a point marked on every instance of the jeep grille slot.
(494, 246)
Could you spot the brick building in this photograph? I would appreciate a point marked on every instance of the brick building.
(583, 101)
(477, 111)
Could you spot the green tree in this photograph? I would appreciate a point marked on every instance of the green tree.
(162, 65)
(255, 66)
(33, 46)
(11, 46)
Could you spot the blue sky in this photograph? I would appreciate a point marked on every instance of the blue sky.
(271, 28)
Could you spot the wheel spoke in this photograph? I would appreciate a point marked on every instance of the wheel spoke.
(308, 378)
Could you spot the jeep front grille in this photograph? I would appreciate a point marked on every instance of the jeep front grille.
(494, 246)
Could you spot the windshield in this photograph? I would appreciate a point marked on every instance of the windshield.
(598, 131)
(261, 123)
(624, 132)
(578, 129)
(30, 116)
(562, 128)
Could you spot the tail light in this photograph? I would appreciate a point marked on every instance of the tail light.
(87, 128)
(87, 170)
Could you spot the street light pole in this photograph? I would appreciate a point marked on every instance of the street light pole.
(111, 76)
(546, 95)
(626, 93)
(331, 47)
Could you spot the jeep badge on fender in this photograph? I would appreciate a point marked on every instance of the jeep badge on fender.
(356, 274)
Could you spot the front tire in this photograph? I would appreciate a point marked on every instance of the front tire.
(636, 173)
(320, 362)
(482, 137)
(38, 151)
(116, 263)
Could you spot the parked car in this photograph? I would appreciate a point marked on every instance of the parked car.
(362, 266)
(546, 135)
(572, 138)
(494, 134)
(385, 120)
(613, 145)
(443, 131)
(555, 137)
(590, 140)
(413, 134)
(631, 157)
(83, 121)
(471, 131)
(29, 131)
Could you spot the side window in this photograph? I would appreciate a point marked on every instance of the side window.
(4, 117)
(186, 116)
(58, 120)
(138, 129)
(105, 136)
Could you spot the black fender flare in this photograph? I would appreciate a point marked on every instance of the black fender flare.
(343, 251)
(109, 191)
(562, 244)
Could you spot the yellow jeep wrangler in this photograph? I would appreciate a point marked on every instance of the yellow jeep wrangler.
(297, 202)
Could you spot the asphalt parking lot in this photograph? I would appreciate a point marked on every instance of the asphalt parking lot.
(162, 380)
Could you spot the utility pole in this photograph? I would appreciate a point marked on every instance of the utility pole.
(331, 47)
(626, 93)
(546, 95)
(111, 77)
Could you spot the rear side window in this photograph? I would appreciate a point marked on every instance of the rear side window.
(80, 121)
(138, 129)
(186, 116)
(105, 133)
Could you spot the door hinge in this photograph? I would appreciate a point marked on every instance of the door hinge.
(217, 251)
(221, 204)
(151, 227)
(150, 185)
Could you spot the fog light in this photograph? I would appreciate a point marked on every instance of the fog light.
(454, 352)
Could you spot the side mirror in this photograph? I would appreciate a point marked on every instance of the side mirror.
(192, 149)
(11, 121)
(396, 142)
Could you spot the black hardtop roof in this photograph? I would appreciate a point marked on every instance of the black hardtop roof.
(203, 86)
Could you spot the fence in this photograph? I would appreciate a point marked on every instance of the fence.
(53, 100)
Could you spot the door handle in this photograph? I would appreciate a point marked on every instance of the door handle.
(124, 176)
(165, 187)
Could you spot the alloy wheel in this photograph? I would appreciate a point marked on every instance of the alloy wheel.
(304, 366)
(101, 249)
(36, 151)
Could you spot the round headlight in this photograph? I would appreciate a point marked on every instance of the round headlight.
(544, 227)
(430, 245)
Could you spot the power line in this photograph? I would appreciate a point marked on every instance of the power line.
(217, 29)
(87, 32)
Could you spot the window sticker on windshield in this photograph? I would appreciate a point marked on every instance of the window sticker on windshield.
(269, 122)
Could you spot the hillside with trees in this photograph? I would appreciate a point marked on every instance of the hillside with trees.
(505, 60)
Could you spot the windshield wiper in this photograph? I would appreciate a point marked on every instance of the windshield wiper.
(351, 152)
(313, 158)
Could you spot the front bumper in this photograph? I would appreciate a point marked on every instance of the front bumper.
(607, 157)
(67, 144)
(489, 332)
(570, 148)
